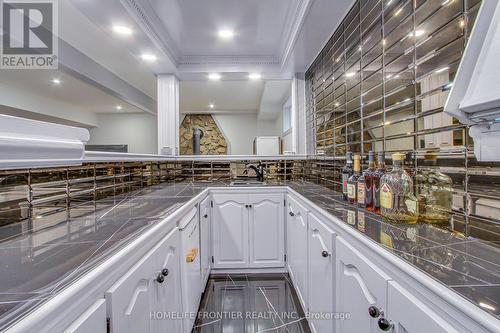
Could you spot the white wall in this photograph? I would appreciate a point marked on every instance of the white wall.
(137, 130)
(240, 130)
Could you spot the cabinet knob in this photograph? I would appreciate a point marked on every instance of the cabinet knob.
(246, 206)
(205, 216)
(374, 312)
(292, 214)
(325, 254)
(384, 324)
(249, 206)
(160, 278)
(164, 272)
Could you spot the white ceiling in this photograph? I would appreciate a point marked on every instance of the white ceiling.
(227, 96)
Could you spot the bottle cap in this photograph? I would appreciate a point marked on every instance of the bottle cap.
(371, 156)
(398, 157)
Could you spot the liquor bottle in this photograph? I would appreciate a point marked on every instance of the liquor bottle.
(352, 183)
(346, 173)
(365, 184)
(377, 175)
(434, 193)
(397, 201)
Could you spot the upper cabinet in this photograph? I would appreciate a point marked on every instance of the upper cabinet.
(475, 96)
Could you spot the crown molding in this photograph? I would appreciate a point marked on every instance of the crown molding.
(146, 17)
(148, 20)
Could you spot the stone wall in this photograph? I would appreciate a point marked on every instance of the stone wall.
(212, 143)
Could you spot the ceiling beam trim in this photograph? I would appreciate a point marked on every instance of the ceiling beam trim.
(81, 66)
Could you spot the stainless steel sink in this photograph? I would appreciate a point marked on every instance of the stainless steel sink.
(247, 183)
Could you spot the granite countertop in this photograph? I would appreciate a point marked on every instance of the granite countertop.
(36, 263)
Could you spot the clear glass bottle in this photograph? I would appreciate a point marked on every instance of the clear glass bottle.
(346, 173)
(397, 201)
(377, 175)
(434, 191)
(365, 184)
(352, 183)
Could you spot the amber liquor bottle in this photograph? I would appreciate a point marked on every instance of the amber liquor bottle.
(352, 183)
(365, 184)
(346, 173)
(379, 172)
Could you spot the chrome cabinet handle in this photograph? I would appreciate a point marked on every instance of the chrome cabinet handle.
(205, 216)
(160, 278)
(385, 324)
(374, 311)
(291, 213)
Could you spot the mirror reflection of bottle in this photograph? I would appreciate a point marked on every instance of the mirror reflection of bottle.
(377, 175)
(352, 183)
(346, 173)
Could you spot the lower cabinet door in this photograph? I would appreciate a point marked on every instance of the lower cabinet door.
(142, 298)
(410, 315)
(92, 320)
(205, 239)
(230, 230)
(359, 286)
(321, 275)
(297, 248)
(190, 266)
(267, 230)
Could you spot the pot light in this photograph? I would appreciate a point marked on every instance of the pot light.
(122, 30)
(148, 57)
(254, 76)
(214, 76)
(350, 74)
(226, 34)
(56, 81)
(211, 106)
(119, 107)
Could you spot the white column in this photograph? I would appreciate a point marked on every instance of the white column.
(168, 114)
(299, 136)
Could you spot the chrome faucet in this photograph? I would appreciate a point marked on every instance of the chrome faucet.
(259, 170)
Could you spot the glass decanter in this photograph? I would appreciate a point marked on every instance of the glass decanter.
(397, 201)
(434, 192)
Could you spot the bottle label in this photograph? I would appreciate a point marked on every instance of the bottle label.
(361, 193)
(351, 191)
(386, 196)
(345, 177)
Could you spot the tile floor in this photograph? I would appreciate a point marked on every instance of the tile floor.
(251, 303)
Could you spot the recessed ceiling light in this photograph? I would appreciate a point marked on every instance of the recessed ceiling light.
(226, 34)
(148, 57)
(122, 30)
(350, 74)
(214, 76)
(211, 106)
(56, 81)
(119, 107)
(254, 76)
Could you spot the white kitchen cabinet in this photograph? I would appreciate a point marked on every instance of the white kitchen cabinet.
(321, 274)
(205, 239)
(230, 230)
(410, 315)
(191, 283)
(359, 285)
(152, 286)
(92, 320)
(266, 230)
(248, 230)
(297, 247)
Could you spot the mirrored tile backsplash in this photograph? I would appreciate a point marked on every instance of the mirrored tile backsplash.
(381, 83)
